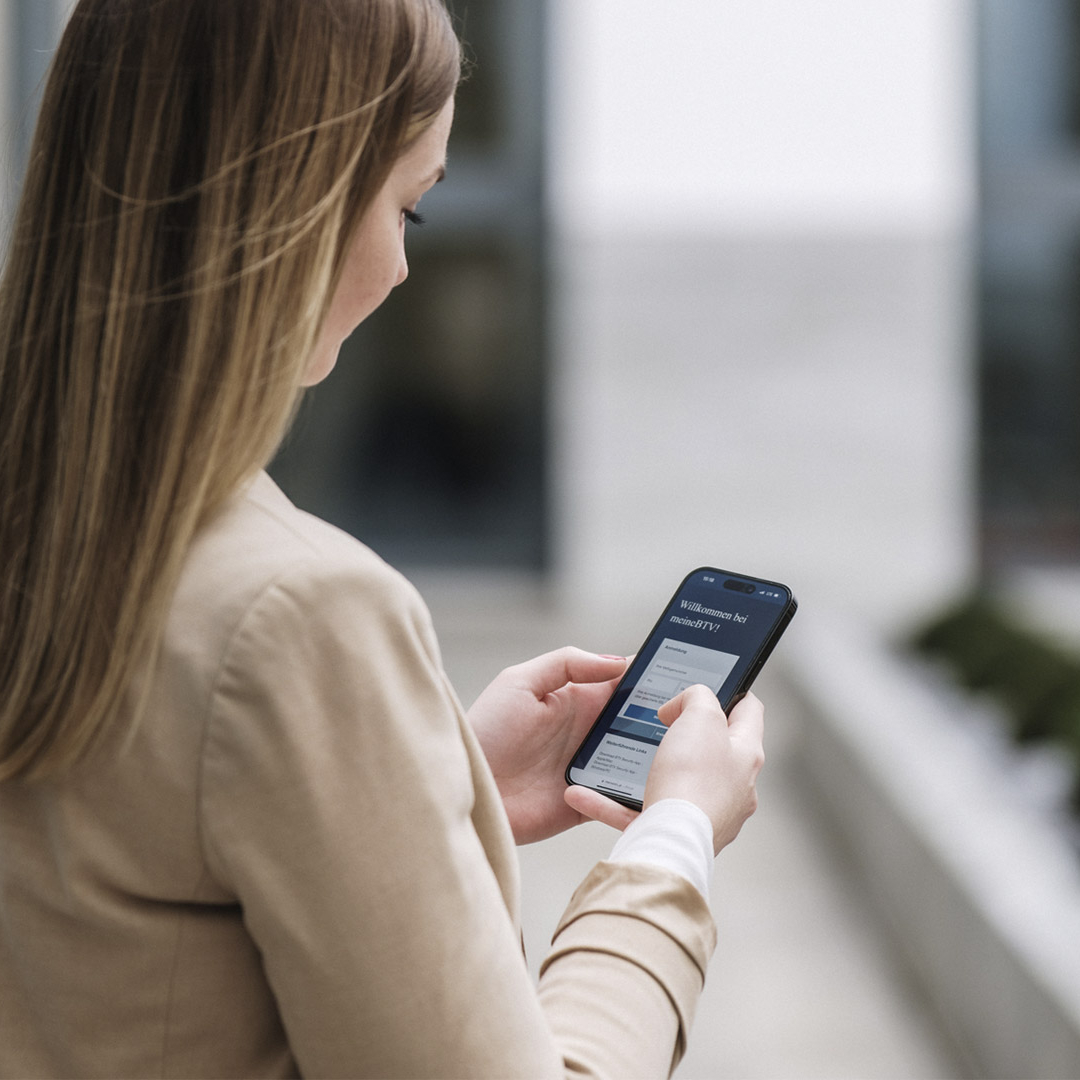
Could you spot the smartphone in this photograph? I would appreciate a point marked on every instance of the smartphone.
(718, 629)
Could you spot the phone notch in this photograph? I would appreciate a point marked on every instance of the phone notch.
(740, 586)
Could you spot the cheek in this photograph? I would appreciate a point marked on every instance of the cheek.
(374, 264)
(371, 273)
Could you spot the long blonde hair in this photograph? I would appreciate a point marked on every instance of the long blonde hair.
(197, 170)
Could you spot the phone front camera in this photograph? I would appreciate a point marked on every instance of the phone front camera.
(739, 586)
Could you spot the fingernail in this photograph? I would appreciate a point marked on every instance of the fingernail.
(608, 656)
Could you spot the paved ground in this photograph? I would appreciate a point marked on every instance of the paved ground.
(802, 985)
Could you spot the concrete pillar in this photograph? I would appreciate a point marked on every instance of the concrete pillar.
(763, 214)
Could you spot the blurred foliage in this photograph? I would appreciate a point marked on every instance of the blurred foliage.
(1036, 680)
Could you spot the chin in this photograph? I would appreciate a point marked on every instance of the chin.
(320, 367)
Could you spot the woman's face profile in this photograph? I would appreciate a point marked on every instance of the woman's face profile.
(375, 261)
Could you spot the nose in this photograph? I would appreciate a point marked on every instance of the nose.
(403, 265)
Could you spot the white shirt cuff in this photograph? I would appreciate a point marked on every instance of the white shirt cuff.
(673, 834)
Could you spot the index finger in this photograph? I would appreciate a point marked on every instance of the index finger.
(570, 665)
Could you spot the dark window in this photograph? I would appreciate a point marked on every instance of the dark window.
(1029, 280)
(427, 442)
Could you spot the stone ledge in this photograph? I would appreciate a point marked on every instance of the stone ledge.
(978, 887)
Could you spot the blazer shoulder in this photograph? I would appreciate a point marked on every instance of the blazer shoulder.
(260, 535)
(259, 542)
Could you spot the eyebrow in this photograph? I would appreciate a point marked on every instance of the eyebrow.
(439, 175)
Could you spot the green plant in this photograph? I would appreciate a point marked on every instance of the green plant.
(1036, 680)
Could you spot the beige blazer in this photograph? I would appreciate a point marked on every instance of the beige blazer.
(300, 863)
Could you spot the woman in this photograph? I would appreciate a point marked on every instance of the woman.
(245, 827)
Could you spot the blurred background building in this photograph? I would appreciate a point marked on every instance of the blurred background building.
(702, 289)
(786, 286)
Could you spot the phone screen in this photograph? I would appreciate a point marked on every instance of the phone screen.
(718, 629)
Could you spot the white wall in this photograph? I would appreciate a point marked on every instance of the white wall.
(762, 216)
(698, 114)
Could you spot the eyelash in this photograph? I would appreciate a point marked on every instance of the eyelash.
(413, 218)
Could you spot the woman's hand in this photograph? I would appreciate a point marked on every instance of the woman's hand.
(705, 758)
(710, 760)
(529, 721)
